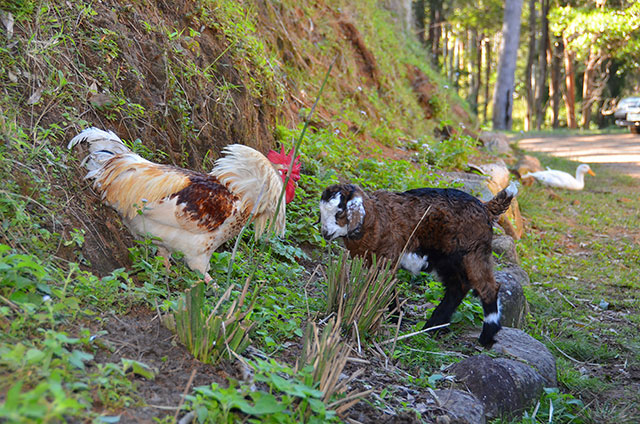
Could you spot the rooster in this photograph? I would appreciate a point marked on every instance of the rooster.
(189, 211)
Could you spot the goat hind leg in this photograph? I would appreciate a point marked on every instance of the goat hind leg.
(453, 295)
(486, 287)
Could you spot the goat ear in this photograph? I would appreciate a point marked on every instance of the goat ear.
(355, 216)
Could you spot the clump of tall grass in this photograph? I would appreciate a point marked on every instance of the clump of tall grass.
(212, 335)
(326, 354)
(360, 295)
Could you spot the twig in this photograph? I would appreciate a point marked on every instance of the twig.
(167, 408)
(563, 296)
(187, 418)
(569, 357)
(381, 352)
(357, 360)
(355, 327)
(184, 393)
(445, 353)
(296, 147)
(415, 333)
(10, 303)
(395, 338)
(325, 319)
(410, 237)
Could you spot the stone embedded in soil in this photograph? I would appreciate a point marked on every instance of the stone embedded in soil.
(504, 386)
(519, 345)
(504, 246)
(513, 303)
(460, 407)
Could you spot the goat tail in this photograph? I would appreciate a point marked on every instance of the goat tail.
(103, 145)
(501, 201)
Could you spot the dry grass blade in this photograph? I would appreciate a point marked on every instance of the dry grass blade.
(359, 294)
(328, 355)
(221, 332)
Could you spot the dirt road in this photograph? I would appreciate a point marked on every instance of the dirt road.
(617, 151)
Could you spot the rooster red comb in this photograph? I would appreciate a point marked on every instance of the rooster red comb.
(285, 159)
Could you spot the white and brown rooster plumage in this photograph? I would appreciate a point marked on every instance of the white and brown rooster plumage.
(189, 211)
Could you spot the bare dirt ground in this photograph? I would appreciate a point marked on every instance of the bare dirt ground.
(620, 152)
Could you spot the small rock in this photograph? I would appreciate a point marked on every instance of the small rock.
(513, 304)
(519, 345)
(505, 247)
(461, 407)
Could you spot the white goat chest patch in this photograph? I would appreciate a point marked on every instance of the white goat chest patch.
(414, 263)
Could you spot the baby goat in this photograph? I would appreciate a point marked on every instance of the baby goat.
(427, 229)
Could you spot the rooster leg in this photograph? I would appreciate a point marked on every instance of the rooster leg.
(209, 280)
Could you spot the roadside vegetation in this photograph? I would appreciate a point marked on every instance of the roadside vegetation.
(84, 309)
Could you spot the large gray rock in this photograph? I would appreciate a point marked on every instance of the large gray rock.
(519, 345)
(513, 304)
(504, 386)
(460, 407)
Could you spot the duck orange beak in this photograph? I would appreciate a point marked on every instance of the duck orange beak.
(590, 172)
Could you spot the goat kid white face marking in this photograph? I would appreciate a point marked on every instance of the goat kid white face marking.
(355, 205)
(414, 263)
(330, 228)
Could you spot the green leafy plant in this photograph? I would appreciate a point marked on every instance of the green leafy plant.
(289, 398)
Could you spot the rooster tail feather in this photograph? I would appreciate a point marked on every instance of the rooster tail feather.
(249, 175)
(103, 145)
(261, 223)
(501, 201)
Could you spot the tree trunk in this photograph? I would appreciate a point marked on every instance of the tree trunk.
(587, 84)
(435, 28)
(503, 92)
(445, 49)
(555, 59)
(541, 82)
(452, 50)
(419, 7)
(487, 74)
(570, 83)
(528, 76)
(457, 64)
(475, 70)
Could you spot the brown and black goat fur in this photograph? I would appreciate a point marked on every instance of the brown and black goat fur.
(445, 231)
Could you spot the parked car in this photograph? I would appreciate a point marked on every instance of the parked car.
(627, 114)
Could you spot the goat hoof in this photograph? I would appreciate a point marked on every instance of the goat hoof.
(489, 331)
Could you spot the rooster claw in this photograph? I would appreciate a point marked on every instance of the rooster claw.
(209, 280)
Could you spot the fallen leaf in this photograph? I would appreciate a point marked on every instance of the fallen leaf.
(7, 21)
(35, 97)
(624, 200)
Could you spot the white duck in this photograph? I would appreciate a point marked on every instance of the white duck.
(560, 179)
